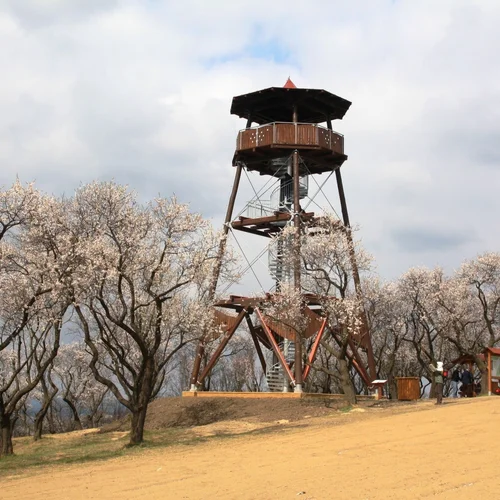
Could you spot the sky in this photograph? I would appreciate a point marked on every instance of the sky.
(139, 91)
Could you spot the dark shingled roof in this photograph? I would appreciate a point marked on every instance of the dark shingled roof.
(275, 104)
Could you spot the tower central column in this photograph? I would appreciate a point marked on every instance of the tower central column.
(296, 265)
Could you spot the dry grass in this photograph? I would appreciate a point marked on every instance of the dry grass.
(80, 447)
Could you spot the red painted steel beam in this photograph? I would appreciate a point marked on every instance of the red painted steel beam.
(361, 372)
(256, 343)
(221, 347)
(275, 347)
(314, 350)
(358, 364)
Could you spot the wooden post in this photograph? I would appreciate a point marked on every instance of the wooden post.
(490, 381)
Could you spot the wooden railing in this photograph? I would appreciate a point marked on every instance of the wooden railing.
(286, 135)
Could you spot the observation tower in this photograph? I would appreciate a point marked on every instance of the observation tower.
(283, 140)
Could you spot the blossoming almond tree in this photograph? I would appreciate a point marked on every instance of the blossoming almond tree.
(331, 262)
(18, 204)
(483, 277)
(79, 390)
(33, 302)
(468, 309)
(145, 294)
(387, 312)
(23, 363)
(44, 395)
(419, 288)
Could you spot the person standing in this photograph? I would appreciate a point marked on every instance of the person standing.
(467, 382)
(438, 378)
(438, 381)
(455, 380)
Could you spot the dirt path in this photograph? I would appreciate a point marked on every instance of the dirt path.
(448, 452)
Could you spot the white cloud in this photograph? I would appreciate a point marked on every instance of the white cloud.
(140, 90)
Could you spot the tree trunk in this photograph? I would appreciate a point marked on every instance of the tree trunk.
(483, 368)
(50, 420)
(39, 419)
(137, 429)
(393, 388)
(38, 426)
(6, 428)
(40, 416)
(484, 382)
(77, 423)
(140, 410)
(346, 382)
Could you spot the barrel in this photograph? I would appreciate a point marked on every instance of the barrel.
(408, 388)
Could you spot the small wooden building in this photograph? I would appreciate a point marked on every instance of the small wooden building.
(408, 388)
(492, 357)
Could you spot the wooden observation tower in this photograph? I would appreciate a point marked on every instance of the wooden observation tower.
(283, 139)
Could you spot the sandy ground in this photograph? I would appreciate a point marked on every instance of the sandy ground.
(448, 452)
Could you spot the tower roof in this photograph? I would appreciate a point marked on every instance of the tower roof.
(276, 104)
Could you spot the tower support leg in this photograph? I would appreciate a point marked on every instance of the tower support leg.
(365, 334)
(200, 351)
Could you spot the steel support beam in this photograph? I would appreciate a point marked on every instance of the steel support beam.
(275, 347)
(221, 347)
(256, 343)
(314, 350)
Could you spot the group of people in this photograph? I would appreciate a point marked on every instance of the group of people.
(459, 376)
(465, 377)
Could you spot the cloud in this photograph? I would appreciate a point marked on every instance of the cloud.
(140, 91)
(39, 14)
(417, 240)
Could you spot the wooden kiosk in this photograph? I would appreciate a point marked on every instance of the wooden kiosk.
(492, 358)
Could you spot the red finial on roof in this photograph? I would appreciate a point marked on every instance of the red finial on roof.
(289, 84)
